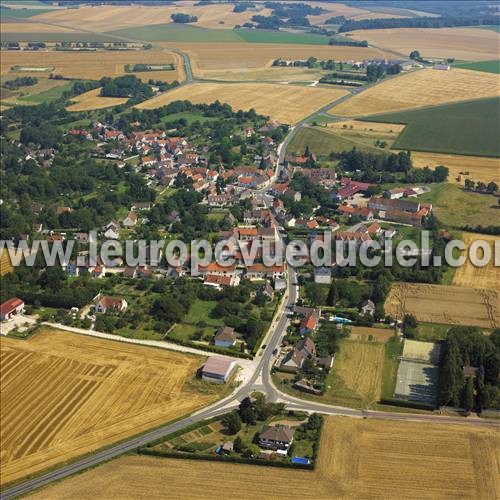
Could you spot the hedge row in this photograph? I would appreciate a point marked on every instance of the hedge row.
(407, 404)
(219, 458)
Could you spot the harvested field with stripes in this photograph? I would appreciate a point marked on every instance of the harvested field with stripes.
(284, 103)
(470, 275)
(357, 459)
(426, 87)
(450, 305)
(64, 395)
(477, 168)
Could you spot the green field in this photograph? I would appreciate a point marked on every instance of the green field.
(455, 207)
(264, 36)
(46, 96)
(467, 128)
(492, 28)
(20, 13)
(183, 33)
(189, 116)
(322, 142)
(177, 33)
(485, 66)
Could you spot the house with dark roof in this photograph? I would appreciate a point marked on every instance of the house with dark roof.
(278, 437)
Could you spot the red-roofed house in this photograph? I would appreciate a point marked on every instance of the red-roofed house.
(10, 308)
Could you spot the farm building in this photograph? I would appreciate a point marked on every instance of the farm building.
(217, 369)
(10, 308)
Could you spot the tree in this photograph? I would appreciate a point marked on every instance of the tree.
(238, 444)
(415, 55)
(409, 325)
(469, 185)
(251, 451)
(492, 187)
(468, 401)
(232, 422)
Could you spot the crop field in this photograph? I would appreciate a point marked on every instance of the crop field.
(107, 17)
(455, 207)
(469, 128)
(357, 459)
(367, 334)
(478, 168)
(467, 44)
(487, 66)
(284, 103)
(483, 277)
(322, 141)
(451, 305)
(427, 87)
(42, 91)
(92, 100)
(367, 132)
(33, 27)
(92, 65)
(208, 60)
(357, 373)
(64, 395)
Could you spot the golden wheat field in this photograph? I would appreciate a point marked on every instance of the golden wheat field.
(450, 305)
(479, 168)
(426, 87)
(110, 18)
(460, 43)
(92, 100)
(479, 277)
(211, 59)
(64, 395)
(357, 459)
(11, 97)
(284, 103)
(93, 65)
(33, 27)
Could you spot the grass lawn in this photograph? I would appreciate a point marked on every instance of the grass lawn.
(431, 332)
(468, 128)
(393, 350)
(322, 142)
(455, 207)
(200, 310)
(485, 66)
